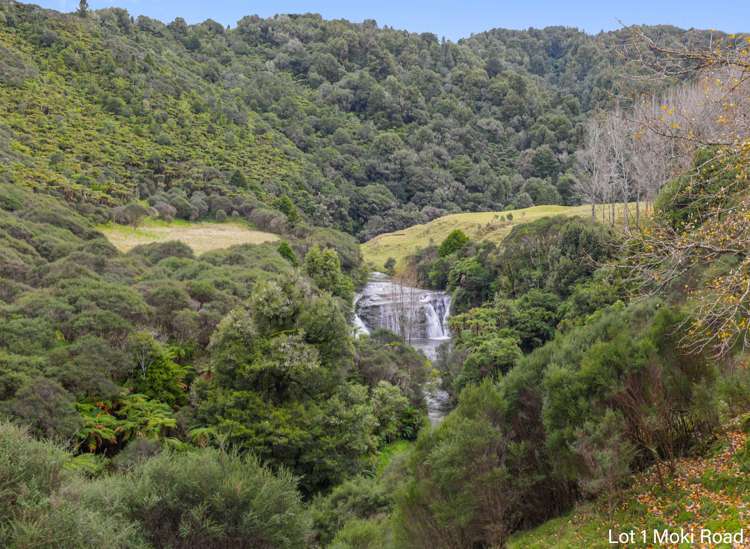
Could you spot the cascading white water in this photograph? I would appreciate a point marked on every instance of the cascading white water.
(419, 316)
(436, 311)
(359, 327)
(413, 313)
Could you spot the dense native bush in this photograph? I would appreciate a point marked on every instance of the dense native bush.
(575, 416)
(278, 388)
(473, 480)
(203, 497)
(552, 253)
(563, 390)
(120, 355)
(285, 122)
(349, 125)
(510, 299)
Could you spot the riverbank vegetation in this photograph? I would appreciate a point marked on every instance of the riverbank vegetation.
(583, 355)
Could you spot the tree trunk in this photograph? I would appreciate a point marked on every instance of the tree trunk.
(638, 211)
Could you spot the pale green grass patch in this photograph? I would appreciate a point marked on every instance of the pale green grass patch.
(493, 226)
(201, 237)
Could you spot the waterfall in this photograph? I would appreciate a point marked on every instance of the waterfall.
(436, 311)
(413, 313)
(419, 316)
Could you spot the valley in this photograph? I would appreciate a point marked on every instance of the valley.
(299, 282)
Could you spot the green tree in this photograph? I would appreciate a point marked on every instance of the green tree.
(286, 251)
(155, 373)
(491, 357)
(286, 206)
(452, 243)
(46, 407)
(324, 267)
(396, 417)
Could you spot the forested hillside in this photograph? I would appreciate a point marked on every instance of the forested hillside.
(367, 129)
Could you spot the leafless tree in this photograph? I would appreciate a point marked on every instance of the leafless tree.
(594, 168)
(406, 297)
(710, 115)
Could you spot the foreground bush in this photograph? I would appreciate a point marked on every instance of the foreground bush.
(31, 512)
(206, 498)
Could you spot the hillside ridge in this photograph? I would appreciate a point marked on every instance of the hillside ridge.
(366, 129)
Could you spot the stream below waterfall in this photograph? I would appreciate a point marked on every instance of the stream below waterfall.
(419, 316)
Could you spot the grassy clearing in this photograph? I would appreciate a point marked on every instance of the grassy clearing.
(201, 237)
(492, 226)
(708, 492)
(386, 455)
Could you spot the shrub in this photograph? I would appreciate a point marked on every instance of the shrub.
(30, 471)
(362, 534)
(156, 251)
(390, 266)
(396, 417)
(358, 498)
(131, 214)
(47, 408)
(285, 250)
(205, 498)
(32, 475)
(167, 212)
(452, 243)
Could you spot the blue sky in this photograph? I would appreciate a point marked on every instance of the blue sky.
(457, 18)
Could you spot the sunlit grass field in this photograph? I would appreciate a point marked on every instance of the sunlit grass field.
(201, 237)
(492, 226)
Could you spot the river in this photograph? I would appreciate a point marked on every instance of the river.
(419, 316)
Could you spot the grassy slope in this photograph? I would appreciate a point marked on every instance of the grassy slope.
(201, 237)
(479, 225)
(711, 492)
